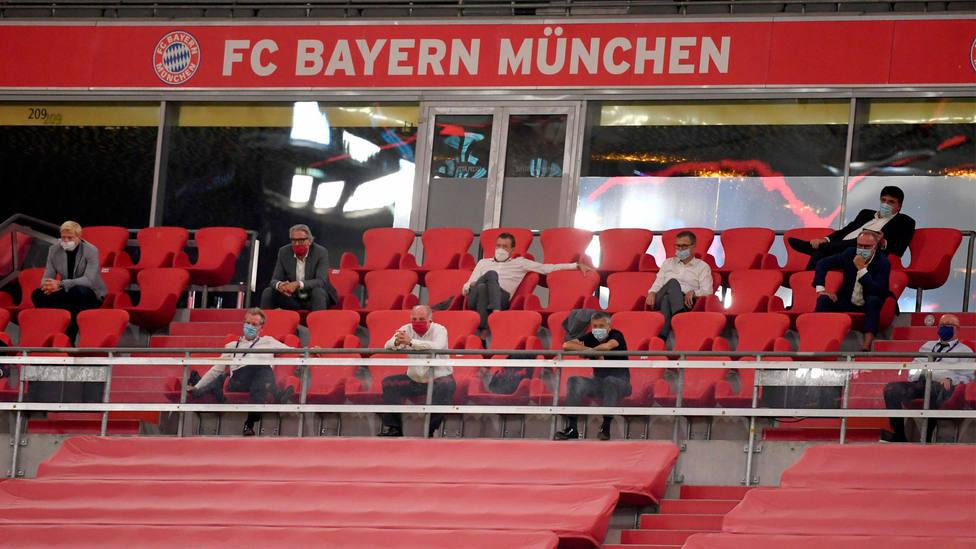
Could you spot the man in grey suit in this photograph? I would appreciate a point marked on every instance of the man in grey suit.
(301, 275)
(81, 286)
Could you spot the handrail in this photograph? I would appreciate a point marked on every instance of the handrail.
(30, 219)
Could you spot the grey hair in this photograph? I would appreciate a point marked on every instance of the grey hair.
(873, 234)
(430, 312)
(301, 227)
(256, 311)
(600, 316)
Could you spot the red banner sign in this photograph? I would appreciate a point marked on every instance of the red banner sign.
(563, 54)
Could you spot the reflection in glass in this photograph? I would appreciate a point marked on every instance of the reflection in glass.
(461, 148)
(536, 144)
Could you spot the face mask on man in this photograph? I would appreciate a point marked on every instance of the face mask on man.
(69, 245)
(682, 254)
(600, 333)
(947, 333)
(885, 210)
(865, 253)
(299, 249)
(420, 326)
(501, 254)
(250, 331)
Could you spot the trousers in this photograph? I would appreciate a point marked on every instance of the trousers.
(398, 387)
(486, 296)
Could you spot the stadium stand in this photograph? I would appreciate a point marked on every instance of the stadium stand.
(444, 248)
(217, 251)
(625, 250)
(385, 248)
(110, 241)
(158, 248)
(745, 248)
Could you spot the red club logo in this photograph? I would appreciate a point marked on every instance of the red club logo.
(176, 57)
(972, 54)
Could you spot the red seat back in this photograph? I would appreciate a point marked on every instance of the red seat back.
(695, 331)
(628, 291)
(758, 331)
(622, 249)
(4, 319)
(805, 295)
(932, 251)
(459, 324)
(159, 246)
(279, 323)
(383, 324)
(445, 284)
(116, 279)
(557, 334)
(385, 288)
(897, 282)
(327, 329)
(217, 251)
(822, 332)
(570, 289)
(38, 325)
(445, 246)
(564, 244)
(511, 328)
(155, 285)
(101, 327)
(344, 282)
(745, 247)
(795, 261)
(385, 247)
(29, 280)
(703, 240)
(638, 327)
(523, 239)
(752, 290)
(109, 240)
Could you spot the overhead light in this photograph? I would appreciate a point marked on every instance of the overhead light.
(393, 189)
(328, 194)
(358, 148)
(301, 188)
(309, 123)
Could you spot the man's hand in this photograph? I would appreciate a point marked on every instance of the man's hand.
(50, 285)
(465, 290)
(402, 338)
(651, 300)
(947, 383)
(817, 242)
(288, 288)
(584, 268)
(831, 296)
(859, 262)
(191, 388)
(690, 299)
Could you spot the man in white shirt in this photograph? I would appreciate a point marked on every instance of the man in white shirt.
(420, 333)
(257, 379)
(495, 279)
(944, 382)
(681, 281)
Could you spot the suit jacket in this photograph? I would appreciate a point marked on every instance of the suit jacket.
(87, 272)
(875, 282)
(316, 269)
(897, 232)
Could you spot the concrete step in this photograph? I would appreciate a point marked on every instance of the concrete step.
(697, 506)
(682, 522)
(217, 315)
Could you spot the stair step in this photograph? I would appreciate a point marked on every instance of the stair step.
(204, 328)
(714, 492)
(795, 434)
(682, 522)
(202, 342)
(697, 506)
(217, 315)
(656, 537)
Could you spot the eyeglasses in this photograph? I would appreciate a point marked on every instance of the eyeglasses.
(299, 240)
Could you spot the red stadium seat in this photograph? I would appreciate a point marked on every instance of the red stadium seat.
(44, 328)
(331, 330)
(110, 241)
(624, 250)
(822, 332)
(446, 284)
(694, 332)
(795, 261)
(381, 325)
(929, 333)
(640, 329)
(752, 291)
(217, 251)
(279, 323)
(4, 319)
(385, 290)
(461, 327)
(757, 332)
(116, 281)
(896, 284)
(745, 248)
(628, 291)
(567, 290)
(557, 334)
(159, 291)
(345, 283)
(703, 241)
(523, 239)
(932, 251)
(158, 248)
(28, 280)
(13, 243)
(779, 541)
(523, 291)
(565, 244)
(509, 330)
(385, 248)
(328, 329)
(804, 294)
(101, 327)
(444, 248)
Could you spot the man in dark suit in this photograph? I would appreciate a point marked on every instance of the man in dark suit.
(301, 275)
(865, 285)
(896, 229)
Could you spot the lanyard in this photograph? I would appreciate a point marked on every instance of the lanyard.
(949, 350)
(237, 345)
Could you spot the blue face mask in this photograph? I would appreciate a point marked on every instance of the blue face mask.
(682, 254)
(866, 253)
(946, 333)
(600, 333)
(250, 331)
(885, 210)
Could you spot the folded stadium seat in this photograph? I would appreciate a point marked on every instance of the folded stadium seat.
(931, 263)
(345, 283)
(385, 291)
(4, 319)
(795, 261)
(804, 294)
(822, 332)
(757, 332)
(929, 333)
(628, 291)
(625, 250)
(523, 239)
(278, 323)
(44, 328)
(217, 251)
(567, 290)
(110, 241)
(446, 284)
(896, 284)
(385, 247)
(565, 244)
(159, 292)
(509, 330)
(331, 330)
(381, 326)
(745, 248)
(116, 281)
(158, 248)
(695, 332)
(461, 327)
(640, 329)
(703, 241)
(101, 327)
(28, 280)
(752, 291)
(444, 248)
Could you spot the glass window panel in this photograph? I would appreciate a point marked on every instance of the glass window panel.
(462, 146)
(536, 145)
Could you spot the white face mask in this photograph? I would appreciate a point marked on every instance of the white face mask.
(69, 245)
(501, 254)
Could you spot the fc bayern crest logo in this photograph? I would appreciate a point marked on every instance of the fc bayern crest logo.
(176, 57)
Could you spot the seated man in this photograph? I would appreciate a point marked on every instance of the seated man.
(81, 286)
(301, 275)
(608, 385)
(421, 333)
(865, 285)
(494, 280)
(896, 227)
(681, 281)
(257, 379)
(944, 382)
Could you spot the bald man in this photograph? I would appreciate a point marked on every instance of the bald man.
(420, 333)
(944, 382)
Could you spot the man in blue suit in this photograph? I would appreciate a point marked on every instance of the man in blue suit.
(865, 285)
